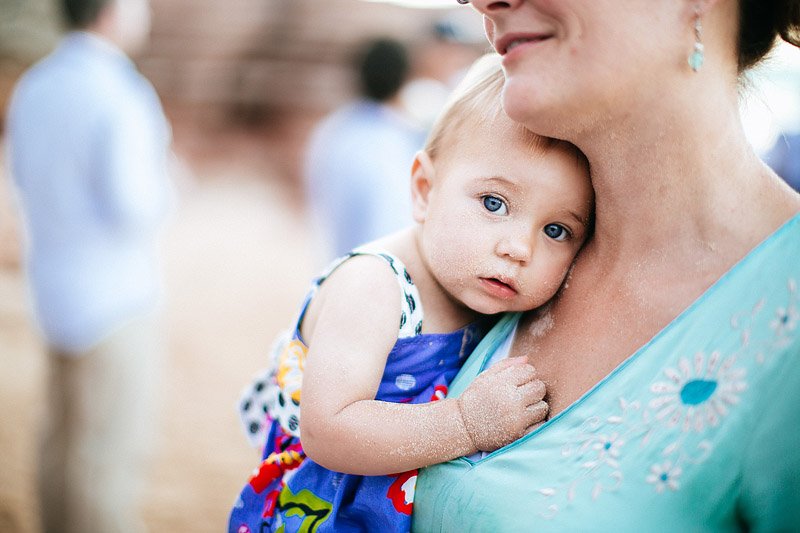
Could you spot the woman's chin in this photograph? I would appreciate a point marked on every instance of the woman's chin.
(526, 105)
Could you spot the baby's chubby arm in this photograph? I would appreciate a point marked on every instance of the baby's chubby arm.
(355, 324)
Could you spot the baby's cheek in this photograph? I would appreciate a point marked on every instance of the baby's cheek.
(549, 279)
(454, 259)
(559, 271)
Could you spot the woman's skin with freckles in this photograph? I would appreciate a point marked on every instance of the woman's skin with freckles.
(680, 194)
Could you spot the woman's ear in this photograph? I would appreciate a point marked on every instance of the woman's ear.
(422, 175)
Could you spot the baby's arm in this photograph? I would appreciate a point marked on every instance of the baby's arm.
(345, 429)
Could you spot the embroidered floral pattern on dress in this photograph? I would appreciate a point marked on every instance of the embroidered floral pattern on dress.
(782, 327)
(599, 455)
(608, 449)
(785, 322)
(678, 413)
(698, 393)
(664, 476)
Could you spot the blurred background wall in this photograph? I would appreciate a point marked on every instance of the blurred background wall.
(277, 65)
(273, 65)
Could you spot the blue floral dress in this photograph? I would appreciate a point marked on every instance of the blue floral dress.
(289, 492)
(699, 430)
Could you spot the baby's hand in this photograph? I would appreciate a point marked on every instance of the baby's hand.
(502, 404)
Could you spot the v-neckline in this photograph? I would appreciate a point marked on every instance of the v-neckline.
(509, 325)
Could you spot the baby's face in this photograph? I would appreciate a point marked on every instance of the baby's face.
(504, 221)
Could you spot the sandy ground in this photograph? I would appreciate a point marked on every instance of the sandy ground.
(237, 263)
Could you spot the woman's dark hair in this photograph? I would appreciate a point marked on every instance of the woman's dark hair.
(81, 13)
(383, 66)
(761, 22)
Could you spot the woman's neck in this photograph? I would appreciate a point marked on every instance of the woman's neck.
(677, 182)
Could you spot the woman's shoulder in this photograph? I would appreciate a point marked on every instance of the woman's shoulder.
(783, 235)
(778, 205)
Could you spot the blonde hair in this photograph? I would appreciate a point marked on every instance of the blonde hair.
(476, 101)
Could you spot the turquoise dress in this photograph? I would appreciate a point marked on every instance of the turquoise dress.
(699, 430)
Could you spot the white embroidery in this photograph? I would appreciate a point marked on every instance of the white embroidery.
(697, 393)
(687, 402)
(664, 475)
(786, 317)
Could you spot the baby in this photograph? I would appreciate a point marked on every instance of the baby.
(501, 213)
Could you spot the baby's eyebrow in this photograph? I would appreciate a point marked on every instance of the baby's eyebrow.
(501, 180)
(582, 220)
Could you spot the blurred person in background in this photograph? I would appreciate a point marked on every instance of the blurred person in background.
(357, 164)
(88, 145)
(439, 63)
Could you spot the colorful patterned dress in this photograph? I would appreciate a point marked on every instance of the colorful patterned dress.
(699, 430)
(289, 492)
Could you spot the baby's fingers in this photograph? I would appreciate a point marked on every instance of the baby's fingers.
(532, 391)
(520, 374)
(503, 364)
(536, 414)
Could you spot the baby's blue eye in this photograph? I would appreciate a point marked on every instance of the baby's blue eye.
(556, 232)
(495, 205)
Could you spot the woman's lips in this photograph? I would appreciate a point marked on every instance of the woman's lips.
(509, 42)
(498, 288)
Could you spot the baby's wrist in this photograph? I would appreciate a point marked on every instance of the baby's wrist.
(468, 438)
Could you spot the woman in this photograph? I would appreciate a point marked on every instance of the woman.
(672, 353)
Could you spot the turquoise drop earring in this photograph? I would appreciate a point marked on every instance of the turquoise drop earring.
(696, 57)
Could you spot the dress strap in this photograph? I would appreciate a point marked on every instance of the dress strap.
(410, 303)
(481, 356)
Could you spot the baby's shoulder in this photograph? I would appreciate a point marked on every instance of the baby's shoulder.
(361, 288)
(363, 272)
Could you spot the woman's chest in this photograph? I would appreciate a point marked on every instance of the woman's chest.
(666, 419)
(599, 320)
(577, 341)
(660, 442)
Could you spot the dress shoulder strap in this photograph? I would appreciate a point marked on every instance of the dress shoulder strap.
(410, 303)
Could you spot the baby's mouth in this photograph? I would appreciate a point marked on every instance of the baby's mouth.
(499, 287)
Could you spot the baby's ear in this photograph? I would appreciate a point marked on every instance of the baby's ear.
(421, 182)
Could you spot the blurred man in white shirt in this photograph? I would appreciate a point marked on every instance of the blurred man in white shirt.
(88, 145)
